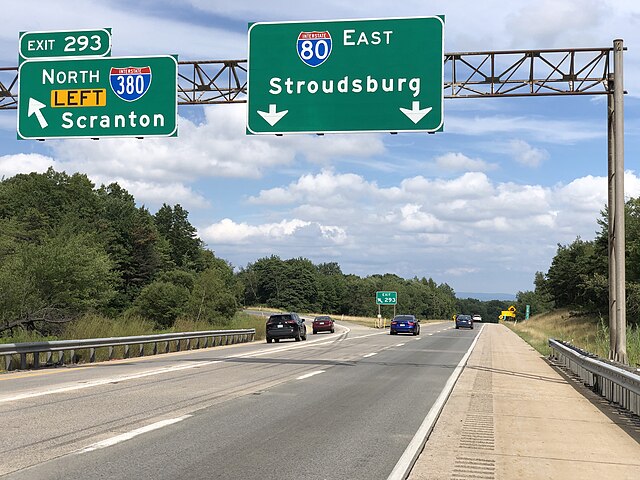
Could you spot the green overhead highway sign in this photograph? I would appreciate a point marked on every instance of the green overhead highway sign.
(98, 97)
(380, 75)
(386, 298)
(65, 43)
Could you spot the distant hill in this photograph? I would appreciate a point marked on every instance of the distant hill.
(487, 296)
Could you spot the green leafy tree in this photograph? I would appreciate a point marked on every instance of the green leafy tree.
(214, 297)
(163, 302)
(54, 281)
(185, 247)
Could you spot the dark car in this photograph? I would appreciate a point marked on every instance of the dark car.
(464, 321)
(286, 325)
(405, 324)
(323, 323)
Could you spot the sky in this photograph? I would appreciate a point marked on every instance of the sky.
(481, 206)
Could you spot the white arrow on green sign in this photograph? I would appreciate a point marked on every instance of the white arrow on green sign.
(380, 75)
(386, 298)
(98, 97)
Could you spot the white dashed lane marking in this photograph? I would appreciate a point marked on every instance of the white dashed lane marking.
(134, 433)
(310, 374)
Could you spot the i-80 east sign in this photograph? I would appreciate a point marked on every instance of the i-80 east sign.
(98, 97)
(381, 75)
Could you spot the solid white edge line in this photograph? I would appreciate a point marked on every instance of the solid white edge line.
(413, 450)
(134, 433)
(369, 354)
(310, 374)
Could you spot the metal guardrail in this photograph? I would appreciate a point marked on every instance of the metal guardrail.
(212, 338)
(613, 383)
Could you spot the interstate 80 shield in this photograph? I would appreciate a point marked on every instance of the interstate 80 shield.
(130, 83)
(314, 48)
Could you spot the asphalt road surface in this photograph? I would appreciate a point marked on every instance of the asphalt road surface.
(337, 406)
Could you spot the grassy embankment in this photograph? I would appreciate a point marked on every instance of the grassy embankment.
(97, 326)
(589, 333)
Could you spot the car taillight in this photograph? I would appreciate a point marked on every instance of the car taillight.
(394, 323)
(411, 324)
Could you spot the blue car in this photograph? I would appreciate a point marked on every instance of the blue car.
(464, 321)
(405, 324)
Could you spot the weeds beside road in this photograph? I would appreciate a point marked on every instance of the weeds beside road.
(588, 333)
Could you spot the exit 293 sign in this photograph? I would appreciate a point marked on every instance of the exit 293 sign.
(65, 43)
(346, 76)
(386, 298)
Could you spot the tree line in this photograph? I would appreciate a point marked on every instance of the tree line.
(298, 284)
(68, 248)
(578, 275)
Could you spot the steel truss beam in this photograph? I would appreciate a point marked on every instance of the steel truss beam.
(508, 73)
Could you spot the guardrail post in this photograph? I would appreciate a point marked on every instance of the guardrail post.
(126, 351)
(48, 358)
(155, 348)
(141, 350)
(23, 361)
(92, 355)
(188, 345)
(167, 347)
(36, 360)
(110, 353)
(177, 345)
(8, 362)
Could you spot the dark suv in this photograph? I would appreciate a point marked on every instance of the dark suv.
(286, 325)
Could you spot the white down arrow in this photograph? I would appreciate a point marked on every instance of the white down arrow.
(272, 116)
(415, 114)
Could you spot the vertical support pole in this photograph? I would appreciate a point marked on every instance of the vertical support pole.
(611, 208)
(618, 152)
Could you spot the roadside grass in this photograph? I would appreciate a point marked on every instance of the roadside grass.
(98, 326)
(586, 332)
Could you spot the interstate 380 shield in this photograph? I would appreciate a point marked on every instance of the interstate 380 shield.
(130, 83)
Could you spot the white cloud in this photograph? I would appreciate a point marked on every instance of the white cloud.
(548, 22)
(11, 165)
(229, 232)
(527, 155)
(325, 188)
(540, 129)
(459, 162)
(468, 225)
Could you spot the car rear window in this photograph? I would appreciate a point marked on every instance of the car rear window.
(464, 317)
(404, 318)
(279, 318)
(322, 318)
